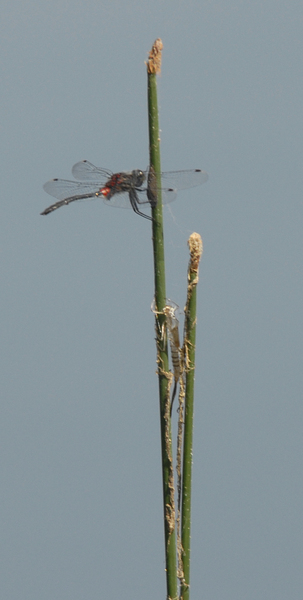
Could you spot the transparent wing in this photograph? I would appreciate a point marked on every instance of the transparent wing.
(62, 189)
(182, 180)
(168, 195)
(86, 171)
(172, 181)
(178, 180)
(121, 199)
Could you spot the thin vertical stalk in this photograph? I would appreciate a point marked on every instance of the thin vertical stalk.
(165, 377)
(189, 349)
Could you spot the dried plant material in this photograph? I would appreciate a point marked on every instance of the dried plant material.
(172, 324)
(155, 57)
(170, 327)
(180, 572)
(170, 509)
(195, 248)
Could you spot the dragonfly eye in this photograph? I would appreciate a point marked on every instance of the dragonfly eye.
(139, 177)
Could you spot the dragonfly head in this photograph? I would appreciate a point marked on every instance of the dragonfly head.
(139, 177)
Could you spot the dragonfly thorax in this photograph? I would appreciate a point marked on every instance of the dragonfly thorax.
(123, 182)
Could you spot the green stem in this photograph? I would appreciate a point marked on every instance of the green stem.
(162, 355)
(189, 351)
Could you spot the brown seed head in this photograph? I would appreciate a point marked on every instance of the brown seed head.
(155, 57)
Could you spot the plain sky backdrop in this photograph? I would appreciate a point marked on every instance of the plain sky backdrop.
(81, 495)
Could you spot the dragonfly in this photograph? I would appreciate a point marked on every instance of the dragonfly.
(127, 189)
(172, 324)
(170, 311)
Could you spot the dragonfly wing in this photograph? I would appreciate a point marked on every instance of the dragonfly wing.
(182, 180)
(173, 181)
(119, 200)
(62, 189)
(86, 171)
(168, 195)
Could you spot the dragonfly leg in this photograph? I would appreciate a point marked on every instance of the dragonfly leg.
(134, 205)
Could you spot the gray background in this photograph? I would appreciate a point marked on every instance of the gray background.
(81, 496)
